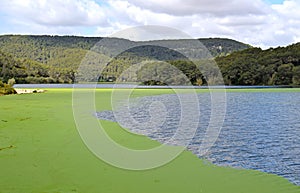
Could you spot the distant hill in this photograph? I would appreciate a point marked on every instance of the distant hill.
(45, 49)
(55, 59)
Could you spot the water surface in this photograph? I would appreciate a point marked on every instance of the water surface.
(261, 130)
(112, 85)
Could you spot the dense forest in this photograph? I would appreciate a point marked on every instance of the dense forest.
(254, 66)
(55, 59)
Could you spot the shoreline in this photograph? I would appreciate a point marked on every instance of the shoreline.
(28, 91)
(130, 86)
(57, 159)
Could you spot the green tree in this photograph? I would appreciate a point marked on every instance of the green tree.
(296, 75)
(284, 75)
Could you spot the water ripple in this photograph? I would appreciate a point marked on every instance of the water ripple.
(261, 131)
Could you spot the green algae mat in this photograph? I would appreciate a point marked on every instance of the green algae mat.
(42, 152)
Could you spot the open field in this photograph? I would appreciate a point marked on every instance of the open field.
(41, 151)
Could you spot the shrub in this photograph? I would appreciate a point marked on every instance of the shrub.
(6, 89)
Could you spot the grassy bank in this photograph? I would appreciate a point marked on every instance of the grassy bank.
(41, 151)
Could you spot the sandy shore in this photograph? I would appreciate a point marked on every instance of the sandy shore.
(28, 91)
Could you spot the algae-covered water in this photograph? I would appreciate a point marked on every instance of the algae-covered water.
(42, 151)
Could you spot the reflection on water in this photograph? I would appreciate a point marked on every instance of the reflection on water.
(261, 130)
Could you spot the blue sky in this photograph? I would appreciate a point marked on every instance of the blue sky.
(275, 1)
(264, 23)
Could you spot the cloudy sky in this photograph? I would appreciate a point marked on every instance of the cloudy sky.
(264, 23)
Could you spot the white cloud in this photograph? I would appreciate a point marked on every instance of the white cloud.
(288, 16)
(289, 8)
(253, 22)
(213, 7)
(56, 12)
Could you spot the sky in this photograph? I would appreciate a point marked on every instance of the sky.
(262, 23)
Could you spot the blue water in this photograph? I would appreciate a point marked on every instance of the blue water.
(261, 130)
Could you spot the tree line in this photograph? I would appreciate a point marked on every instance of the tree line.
(56, 59)
(254, 66)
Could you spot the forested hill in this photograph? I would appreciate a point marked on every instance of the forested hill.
(254, 66)
(52, 49)
(55, 59)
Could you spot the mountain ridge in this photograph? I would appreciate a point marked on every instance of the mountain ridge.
(55, 59)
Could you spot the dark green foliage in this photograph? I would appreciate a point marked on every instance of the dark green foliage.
(28, 71)
(284, 74)
(222, 46)
(6, 89)
(55, 59)
(296, 75)
(279, 66)
(152, 65)
(42, 59)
